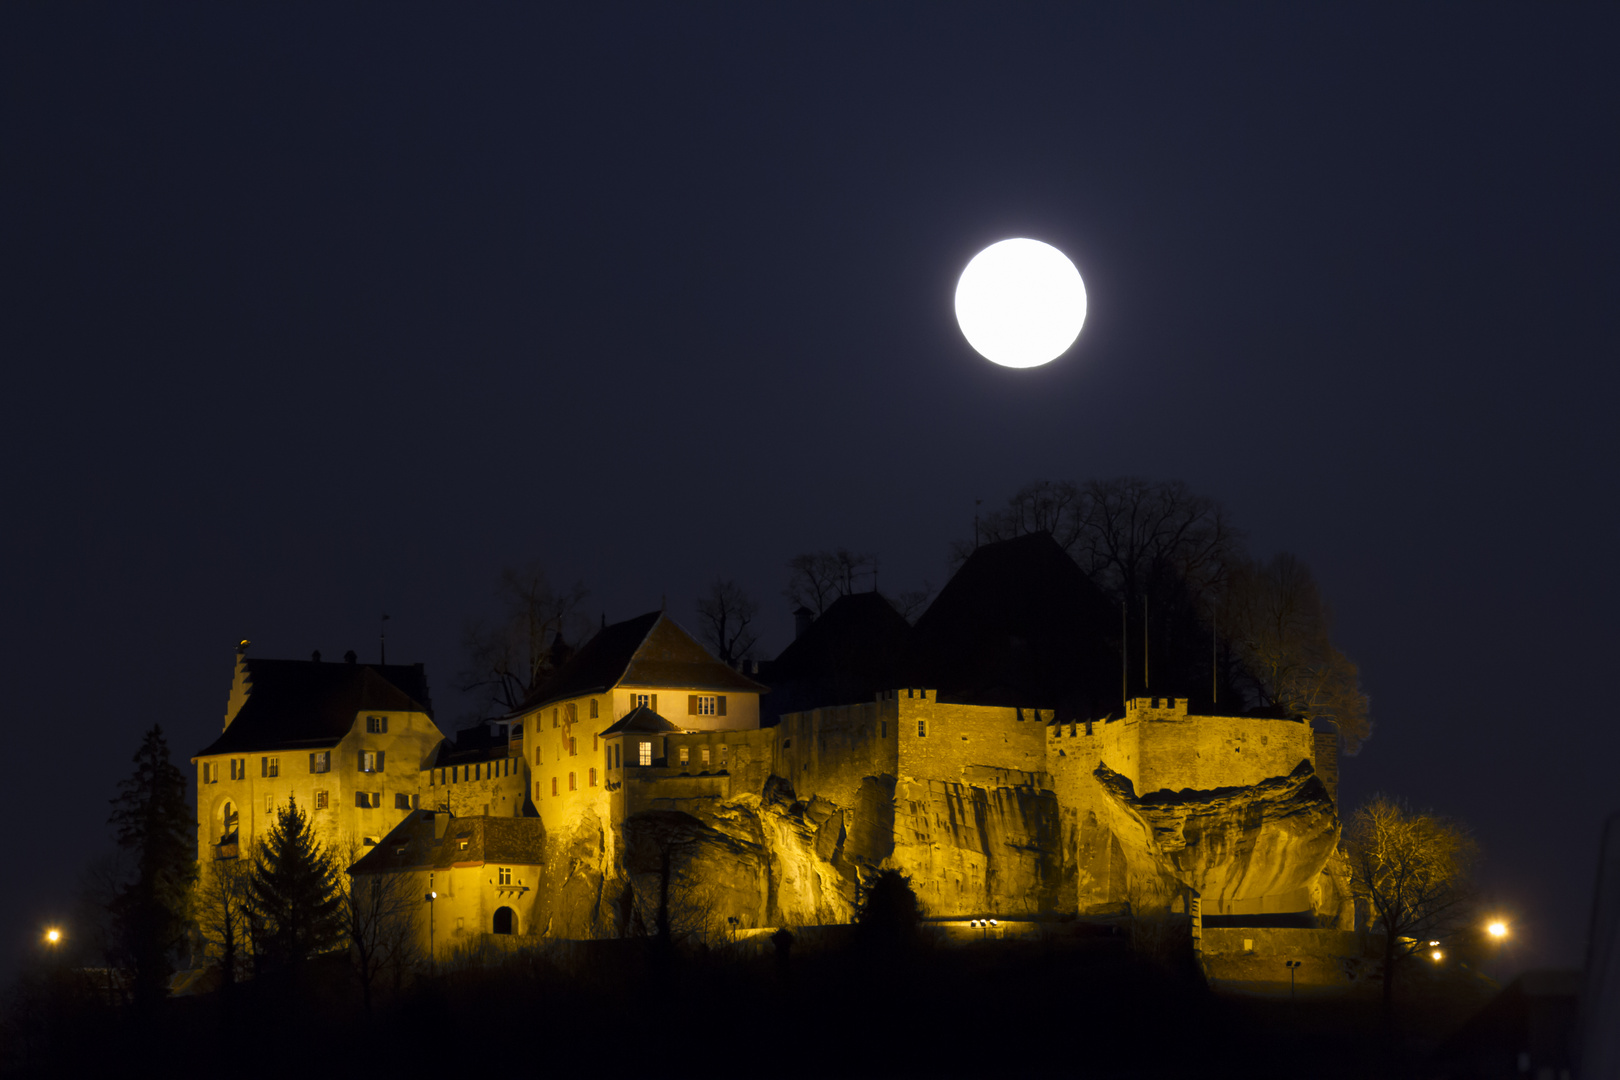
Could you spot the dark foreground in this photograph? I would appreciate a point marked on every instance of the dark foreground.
(1070, 1008)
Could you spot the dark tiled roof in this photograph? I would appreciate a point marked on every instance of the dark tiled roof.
(517, 841)
(649, 650)
(1018, 624)
(305, 703)
(480, 742)
(641, 718)
(846, 656)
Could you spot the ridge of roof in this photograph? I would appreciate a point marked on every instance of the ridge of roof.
(641, 719)
(298, 704)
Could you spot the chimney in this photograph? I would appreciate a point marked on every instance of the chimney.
(802, 618)
(351, 656)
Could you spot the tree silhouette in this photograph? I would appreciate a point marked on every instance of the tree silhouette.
(1413, 870)
(725, 621)
(816, 579)
(508, 659)
(153, 821)
(890, 916)
(294, 894)
(221, 913)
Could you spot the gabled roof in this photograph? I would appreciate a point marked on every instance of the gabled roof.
(514, 841)
(293, 704)
(640, 719)
(1018, 624)
(846, 656)
(649, 650)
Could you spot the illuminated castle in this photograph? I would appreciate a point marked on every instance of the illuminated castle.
(983, 753)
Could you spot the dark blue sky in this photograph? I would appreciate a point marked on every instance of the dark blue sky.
(313, 315)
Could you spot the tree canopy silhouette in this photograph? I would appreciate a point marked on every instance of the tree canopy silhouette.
(294, 893)
(153, 821)
(506, 660)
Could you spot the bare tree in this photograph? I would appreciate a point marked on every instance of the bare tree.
(912, 602)
(381, 914)
(1278, 624)
(816, 579)
(725, 619)
(508, 659)
(223, 918)
(1413, 871)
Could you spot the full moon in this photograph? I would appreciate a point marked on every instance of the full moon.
(1020, 303)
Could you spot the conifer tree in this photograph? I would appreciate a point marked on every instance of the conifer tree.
(294, 894)
(153, 821)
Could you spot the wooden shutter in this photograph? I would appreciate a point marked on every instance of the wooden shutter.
(691, 704)
(312, 763)
(720, 705)
(654, 700)
(379, 761)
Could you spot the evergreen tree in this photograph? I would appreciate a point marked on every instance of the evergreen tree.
(293, 893)
(154, 823)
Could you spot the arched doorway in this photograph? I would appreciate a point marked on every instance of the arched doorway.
(505, 920)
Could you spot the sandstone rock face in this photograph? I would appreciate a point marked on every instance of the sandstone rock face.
(1237, 847)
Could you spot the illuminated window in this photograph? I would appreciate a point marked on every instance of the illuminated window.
(376, 725)
(322, 800)
(593, 709)
(703, 705)
(645, 756)
(644, 701)
(571, 785)
(320, 761)
(686, 755)
(371, 761)
(922, 729)
(270, 766)
(593, 776)
(705, 755)
(503, 875)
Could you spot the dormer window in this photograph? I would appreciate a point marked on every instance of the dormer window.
(376, 725)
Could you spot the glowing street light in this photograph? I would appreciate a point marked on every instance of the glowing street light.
(1497, 929)
(53, 936)
(1437, 956)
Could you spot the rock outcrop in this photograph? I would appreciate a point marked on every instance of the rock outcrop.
(1235, 846)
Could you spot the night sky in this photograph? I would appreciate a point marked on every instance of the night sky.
(311, 316)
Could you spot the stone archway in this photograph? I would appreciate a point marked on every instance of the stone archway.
(505, 921)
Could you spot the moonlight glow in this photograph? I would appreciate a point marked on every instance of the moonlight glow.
(1020, 303)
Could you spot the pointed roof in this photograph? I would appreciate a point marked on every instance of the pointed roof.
(846, 656)
(649, 650)
(640, 719)
(1018, 624)
(411, 845)
(293, 704)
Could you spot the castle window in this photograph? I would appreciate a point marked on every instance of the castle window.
(269, 766)
(705, 755)
(554, 785)
(371, 761)
(571, 785)
(593, 776)
(239, 768)
(503, 875)
(320, 761)
(593, 709)
(362, 799)
(376, 725)
(573, 746)
(571, 711)
(402, 801)
(686, 755)
(596, 743)
(645, 754)
(722, 754)
(701, 705)
(644, 701)
(321, 800)
(269, 804)
(554, 714)
(210, 773)
(922, 729)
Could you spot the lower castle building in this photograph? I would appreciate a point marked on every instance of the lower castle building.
(978, 758)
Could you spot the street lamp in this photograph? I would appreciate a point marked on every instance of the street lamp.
(431, 896)
(1497, 929)
(1437, 956)
(53, 936)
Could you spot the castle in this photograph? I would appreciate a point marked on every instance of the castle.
(985, 752)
